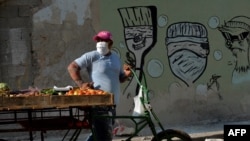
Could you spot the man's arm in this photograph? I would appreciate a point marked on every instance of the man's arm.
(127, 72)
(74, 72)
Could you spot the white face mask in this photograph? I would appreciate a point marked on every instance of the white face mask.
(102, 48)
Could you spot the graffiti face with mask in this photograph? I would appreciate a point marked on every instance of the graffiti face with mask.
(237, 40)
(187, 48)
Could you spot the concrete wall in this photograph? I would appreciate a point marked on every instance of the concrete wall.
(62, 31)
(15, 42)
(193, 72)
(176, 46)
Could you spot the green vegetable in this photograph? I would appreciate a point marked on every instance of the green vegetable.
(48, 91)
(4, 87)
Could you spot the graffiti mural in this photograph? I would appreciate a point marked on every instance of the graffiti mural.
(187, 50)
(237, 40)
(214, 85)
(140, 37)
(196, 63)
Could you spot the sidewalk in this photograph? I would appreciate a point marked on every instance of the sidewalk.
(201, 132)
(199, 136)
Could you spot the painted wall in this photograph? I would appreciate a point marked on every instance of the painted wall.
(194, 56)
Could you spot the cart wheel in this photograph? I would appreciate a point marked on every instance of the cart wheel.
(172, 135)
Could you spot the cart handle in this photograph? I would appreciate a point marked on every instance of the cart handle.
(145, 96)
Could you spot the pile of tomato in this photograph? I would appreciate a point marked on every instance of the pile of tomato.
(89, 91)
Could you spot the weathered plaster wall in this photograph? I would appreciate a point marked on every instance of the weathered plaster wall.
(15, 42)
(40, 38)
(62, 31)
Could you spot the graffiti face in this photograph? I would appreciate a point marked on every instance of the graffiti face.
(237, 39)
(138, 38)
(140, 30)
(187, 60)
(188, 48)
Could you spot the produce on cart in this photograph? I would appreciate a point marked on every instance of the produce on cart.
(64, 97)
(69, 106)
(87, 91)
(4, 89)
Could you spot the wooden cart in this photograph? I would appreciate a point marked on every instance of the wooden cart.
(41, 105)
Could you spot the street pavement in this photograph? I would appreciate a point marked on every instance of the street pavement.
(200, 132)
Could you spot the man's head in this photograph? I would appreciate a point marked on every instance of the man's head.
(104, 36)
(104, 42)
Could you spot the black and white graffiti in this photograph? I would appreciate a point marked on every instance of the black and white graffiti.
(140, 36)
(187, 50)
(237, 40)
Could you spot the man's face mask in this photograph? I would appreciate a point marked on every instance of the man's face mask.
(102, 48)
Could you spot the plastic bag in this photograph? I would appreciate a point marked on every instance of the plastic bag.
(139, 109)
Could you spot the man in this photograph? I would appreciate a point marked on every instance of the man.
(106, 73)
